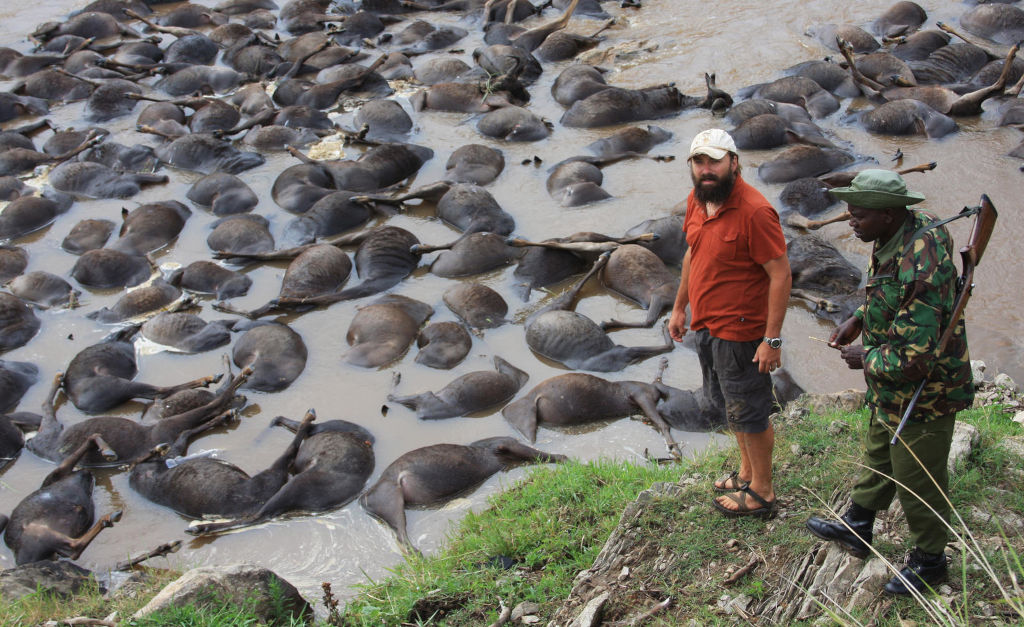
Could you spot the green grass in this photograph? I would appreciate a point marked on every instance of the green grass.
(553, 526)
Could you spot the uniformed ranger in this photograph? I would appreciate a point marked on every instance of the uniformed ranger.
(911, 290)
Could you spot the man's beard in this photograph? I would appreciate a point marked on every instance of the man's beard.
(717, 193)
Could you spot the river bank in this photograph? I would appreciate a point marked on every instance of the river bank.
(577, 536)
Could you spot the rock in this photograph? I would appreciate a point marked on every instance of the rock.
(1014, 444)
(1003, 380)
(978, 371)
(591, 614)
(735, 605)
(242, 584)
(526, 608)
(1007, 521)
(837, 427)
(965, 438)
(1019, 417)
(60, 578)
(847, 400)
(795, 449)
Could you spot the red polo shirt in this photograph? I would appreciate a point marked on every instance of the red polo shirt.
(728, 287)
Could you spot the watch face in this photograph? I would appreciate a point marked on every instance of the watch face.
(774, 342)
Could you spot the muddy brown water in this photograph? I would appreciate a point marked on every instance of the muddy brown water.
(665, 41)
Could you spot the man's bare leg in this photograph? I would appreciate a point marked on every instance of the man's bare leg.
(756, 455)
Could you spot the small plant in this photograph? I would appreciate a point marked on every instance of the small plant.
(331, 603)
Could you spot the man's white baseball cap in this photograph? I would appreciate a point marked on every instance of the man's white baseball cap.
(714, 143)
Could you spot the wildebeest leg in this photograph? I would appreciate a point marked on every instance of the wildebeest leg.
(160, 551)
(77, 546)
(798, 221)
(654, 310)
(639, 353)
(285, 254)
(432, 193)
(818, 302)
(970, 104)
(272, 306)
(520, 452)
(647, 400)
(169, 428)
(585, 247)
(180, 444)
(869, 87)
(67, 465)
(565, 301)
(145, 390)
(533, 38)
(49, 427)
(176, 31)
(996, 52)
(386, 502)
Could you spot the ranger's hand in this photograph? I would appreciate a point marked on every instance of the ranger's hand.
(845, 332)
(853, 356)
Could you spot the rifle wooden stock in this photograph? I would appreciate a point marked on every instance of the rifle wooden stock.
(970, 255)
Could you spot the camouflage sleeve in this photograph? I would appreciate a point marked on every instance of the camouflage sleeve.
(913, 335)
(859, 313)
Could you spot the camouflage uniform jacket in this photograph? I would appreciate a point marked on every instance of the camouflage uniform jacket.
(910, 300)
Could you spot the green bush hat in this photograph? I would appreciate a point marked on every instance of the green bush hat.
(877, 189)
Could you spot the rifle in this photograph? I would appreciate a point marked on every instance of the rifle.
(984, 222)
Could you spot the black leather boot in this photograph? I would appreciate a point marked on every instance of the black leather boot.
(923, 570)
(855, 542)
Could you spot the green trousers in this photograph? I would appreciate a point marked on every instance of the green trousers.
(887, 465)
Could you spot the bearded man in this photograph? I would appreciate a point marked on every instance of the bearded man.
(736, 281)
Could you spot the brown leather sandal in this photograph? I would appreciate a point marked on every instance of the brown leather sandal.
(730, 483)
(766, 511)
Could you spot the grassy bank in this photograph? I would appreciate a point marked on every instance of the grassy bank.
(538, 535)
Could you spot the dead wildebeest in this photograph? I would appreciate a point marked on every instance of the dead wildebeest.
(383, 259)
(470, 393)
(578, 398)
(382, 331)
(275, 354)
(200, 486)
(126, 438)
(477, 305)
(559, 333)
(616, 105)
(334, 460)
(434, 474)
(57, 519)
(99, 378)
(18, 323)
(319, 270)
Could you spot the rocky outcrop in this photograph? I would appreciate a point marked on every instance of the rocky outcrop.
(270, 597)
(59, 578)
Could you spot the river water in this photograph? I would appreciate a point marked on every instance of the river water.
(743, 42)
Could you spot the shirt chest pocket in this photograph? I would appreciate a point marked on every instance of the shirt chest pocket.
(884, 294)
(726, 244)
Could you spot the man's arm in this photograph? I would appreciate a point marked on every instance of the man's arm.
(677, 321)
(780, 280)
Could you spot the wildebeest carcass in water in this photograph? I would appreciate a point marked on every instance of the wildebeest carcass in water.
(127, 439)
(57, 519)
(434, 474)
(333, 462)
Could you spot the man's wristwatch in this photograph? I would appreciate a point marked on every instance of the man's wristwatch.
(773, 342)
